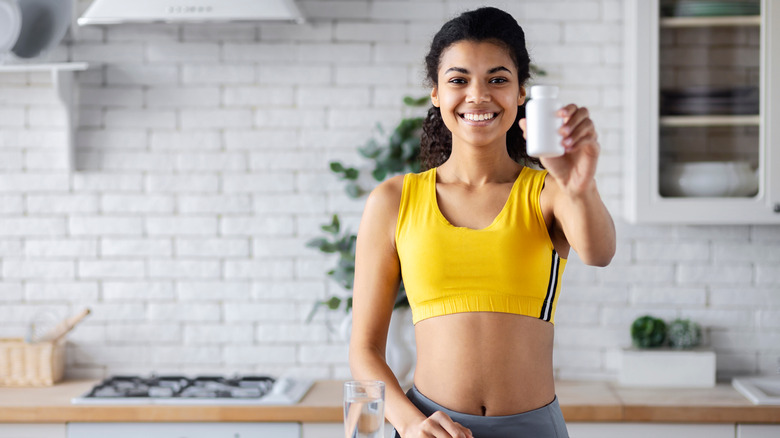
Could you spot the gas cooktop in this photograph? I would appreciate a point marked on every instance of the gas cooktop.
(200, 390)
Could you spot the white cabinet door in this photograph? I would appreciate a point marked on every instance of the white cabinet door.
(333, 430)
(184, 430)
(649, 430)
(32, 430)
(758, 430)
(676, 133)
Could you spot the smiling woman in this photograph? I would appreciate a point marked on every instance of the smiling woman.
(481, 239)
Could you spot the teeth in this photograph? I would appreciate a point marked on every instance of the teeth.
(477, 117)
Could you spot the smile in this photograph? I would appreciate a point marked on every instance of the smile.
(478, 117)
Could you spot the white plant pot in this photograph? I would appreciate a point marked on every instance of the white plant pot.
(400, 353)
(667, 368)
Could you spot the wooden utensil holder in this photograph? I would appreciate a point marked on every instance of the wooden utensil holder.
(31, 364)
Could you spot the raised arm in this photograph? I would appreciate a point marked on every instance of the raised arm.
(578, 211)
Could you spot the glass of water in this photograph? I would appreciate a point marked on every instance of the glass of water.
(364, 409)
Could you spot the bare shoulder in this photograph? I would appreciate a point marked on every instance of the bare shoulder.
(386, 197)
(381, 212)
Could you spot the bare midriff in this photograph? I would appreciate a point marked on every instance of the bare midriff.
(485, 363)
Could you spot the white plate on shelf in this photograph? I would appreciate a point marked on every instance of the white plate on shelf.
(10, 24)
(709, 179)
(44, 24)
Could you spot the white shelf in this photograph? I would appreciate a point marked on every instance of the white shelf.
(63, 81)
(25, 67)
(748, 20)
(689, 121)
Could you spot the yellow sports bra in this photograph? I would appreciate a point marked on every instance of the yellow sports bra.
(510, 266)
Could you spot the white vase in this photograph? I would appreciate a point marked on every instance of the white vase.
(345, 327)
(400, 354)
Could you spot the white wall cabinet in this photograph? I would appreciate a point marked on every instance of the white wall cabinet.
(758, 430)
(23, 430)
(333, 430)
(649, 430)
(702, 113)
(184, 430)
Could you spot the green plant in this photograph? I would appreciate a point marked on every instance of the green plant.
(395, 153)
(648, 332)
(684, 334)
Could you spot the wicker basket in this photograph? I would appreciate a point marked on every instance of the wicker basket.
(23, 364)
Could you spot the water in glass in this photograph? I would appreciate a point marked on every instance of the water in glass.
(364, 409)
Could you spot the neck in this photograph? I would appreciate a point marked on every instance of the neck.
(475, 166)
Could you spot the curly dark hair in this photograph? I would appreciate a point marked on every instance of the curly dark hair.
(483, 24)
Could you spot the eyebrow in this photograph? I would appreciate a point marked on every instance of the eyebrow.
(490, 72)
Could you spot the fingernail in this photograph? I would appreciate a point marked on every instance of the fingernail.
(567, 142)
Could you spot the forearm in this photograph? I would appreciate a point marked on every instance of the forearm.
(588, 226)
(369, 364)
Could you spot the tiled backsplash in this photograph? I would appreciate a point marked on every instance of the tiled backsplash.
(202, 159)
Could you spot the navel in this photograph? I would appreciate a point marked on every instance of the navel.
(484, 410)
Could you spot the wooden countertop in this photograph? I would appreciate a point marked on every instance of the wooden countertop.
(580, 402)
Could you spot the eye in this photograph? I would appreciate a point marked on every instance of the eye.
(457, 81)
(498, 80)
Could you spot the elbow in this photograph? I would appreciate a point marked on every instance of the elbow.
(600, 262)
(601, 258)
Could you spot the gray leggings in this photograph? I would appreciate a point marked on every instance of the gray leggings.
(544, 422)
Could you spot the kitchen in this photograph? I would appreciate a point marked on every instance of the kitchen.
(198, 170)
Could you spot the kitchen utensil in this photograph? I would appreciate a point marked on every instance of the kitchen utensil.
(10, 24)
(44, 23)
(64, 327)
(41, 323)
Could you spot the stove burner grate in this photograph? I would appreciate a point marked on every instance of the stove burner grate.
(238, 387)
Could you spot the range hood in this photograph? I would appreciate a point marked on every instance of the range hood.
(189, 11)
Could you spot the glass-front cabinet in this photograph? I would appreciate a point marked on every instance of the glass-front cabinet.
(702, 102)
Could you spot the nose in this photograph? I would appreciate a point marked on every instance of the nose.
(477, 93)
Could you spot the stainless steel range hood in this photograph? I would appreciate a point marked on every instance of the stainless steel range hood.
(189, 11)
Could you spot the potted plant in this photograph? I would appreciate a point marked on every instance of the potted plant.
(666, 355)
(397, 153)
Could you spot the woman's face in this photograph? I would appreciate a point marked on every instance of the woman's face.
(478, 92)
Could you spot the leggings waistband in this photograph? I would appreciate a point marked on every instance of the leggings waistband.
(546, 421)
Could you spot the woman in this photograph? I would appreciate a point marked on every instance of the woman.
(481, 241)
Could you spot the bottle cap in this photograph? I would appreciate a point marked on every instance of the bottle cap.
(538, 91)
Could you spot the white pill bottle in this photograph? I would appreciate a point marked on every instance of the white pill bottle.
(542, 122)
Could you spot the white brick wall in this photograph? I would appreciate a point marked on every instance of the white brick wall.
(203, 170)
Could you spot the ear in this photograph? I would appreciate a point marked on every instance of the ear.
(521, 97)
(435, 96)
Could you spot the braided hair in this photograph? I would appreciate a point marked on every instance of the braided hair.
(483, 24)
